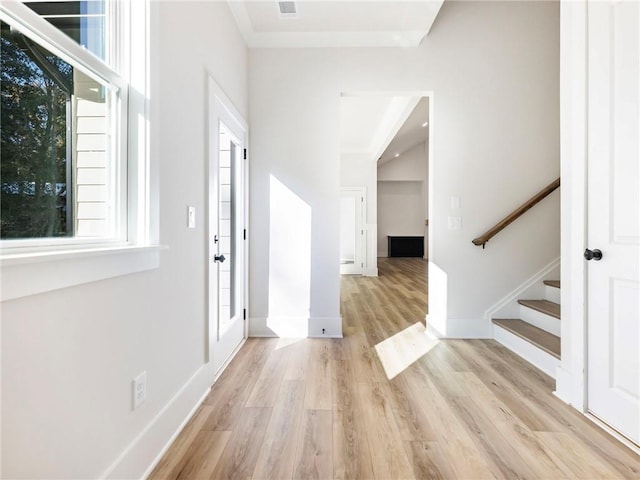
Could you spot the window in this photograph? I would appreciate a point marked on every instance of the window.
(76, 181)
(63, 163)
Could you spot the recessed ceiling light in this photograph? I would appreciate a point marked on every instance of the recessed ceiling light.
(425, 124)
(397, 155)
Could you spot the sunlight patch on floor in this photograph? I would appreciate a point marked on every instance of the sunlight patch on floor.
(285, 342)
(404, 348)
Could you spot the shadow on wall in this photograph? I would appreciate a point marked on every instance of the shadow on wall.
(289, 262)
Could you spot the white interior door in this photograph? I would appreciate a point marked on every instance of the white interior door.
(613, 282)
(352, 231)
(227, 228)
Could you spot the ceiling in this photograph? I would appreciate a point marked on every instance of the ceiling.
(412, 133)
(371, 125)
(379, 127)
(335, 23)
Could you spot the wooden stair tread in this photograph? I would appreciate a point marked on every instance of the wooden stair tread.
(543, 306)
(534, 335)
(552, 283)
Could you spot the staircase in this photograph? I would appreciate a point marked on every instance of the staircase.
(535, 336)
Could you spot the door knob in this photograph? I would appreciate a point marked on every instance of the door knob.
(218, 258)
(593, 254)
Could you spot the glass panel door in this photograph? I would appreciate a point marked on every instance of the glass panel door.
(226, 233)
(227, 228)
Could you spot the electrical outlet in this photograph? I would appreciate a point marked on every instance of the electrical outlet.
(324, 331)
(139, 389)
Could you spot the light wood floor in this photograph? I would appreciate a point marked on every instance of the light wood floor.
(327, 409)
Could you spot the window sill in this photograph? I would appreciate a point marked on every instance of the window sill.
(25, 274)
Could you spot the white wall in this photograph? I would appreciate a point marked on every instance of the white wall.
(412, 166)
(69, 356)
(493, 69)
(400, 211)
(403, 186)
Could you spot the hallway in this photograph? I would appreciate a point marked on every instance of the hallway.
(388, 402)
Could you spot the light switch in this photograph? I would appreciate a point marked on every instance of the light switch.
(455, 202)
(191, 217)
(454, 223)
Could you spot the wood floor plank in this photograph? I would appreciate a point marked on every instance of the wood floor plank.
(297, 360)
(441, 372)
(428, 461)
(266, 387)
(205, 452)
(318, 393)
(241, 454)
(351, 454)
(314, 459)
(385, 442)
(563, 417)
(411, 414)
(277, 456)
(503, 388)
(524, 442)
(504, 460)
(177, 456)
(230, 393)
(457, 409)
(567, 450)
(363, 357)
(455, 440)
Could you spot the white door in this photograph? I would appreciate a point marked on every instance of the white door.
(613, 282)
(227, 228)
(352, 231)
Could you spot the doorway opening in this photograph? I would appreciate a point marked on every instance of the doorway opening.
(385, 152)
(352, 235)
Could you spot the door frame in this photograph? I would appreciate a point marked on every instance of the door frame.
(572, 374)
(361, 240)
(220, 105)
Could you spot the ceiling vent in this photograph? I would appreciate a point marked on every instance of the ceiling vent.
(287, 9)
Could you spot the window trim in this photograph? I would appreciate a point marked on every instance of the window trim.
(39, 30)
(33, 26)
(35, 273)
(33, 266)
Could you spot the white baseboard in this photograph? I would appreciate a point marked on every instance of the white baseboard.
(142, 452)
(325, 327)
(191, 413)
(295, 327)
(570, 388)
(532, 354)
(468, 328)
(563, 385)
(507, 306)
(431, 331)
(371, 272)
(175, 435)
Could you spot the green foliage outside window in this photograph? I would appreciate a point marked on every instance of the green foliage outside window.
(35, 150)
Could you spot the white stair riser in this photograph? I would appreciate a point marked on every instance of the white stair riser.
(532, 354)
(552, 294)
(541, 320)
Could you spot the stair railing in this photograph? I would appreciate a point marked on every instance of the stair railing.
(513, 216)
